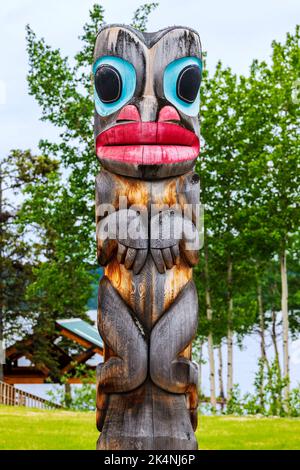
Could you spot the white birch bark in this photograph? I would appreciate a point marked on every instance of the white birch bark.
(263, 351)
(220, 372)
(285, 321)
(200, 369)
(209, 314)
(229, 332)
(274, 339)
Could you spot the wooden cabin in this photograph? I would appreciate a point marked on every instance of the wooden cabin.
(84, 336)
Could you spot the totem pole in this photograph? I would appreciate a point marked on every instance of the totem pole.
(147, 200)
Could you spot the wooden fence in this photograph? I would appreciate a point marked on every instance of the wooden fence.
(10, 395)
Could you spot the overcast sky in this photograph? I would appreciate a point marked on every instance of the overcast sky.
(234, 31)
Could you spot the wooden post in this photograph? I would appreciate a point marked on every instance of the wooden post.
(147, 204)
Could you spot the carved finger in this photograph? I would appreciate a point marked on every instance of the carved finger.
(175, 253)
(139, 260)
(129, 258)
(158, 260)
(167, 256)
(122, 250)
(191, 256)
(190, 237)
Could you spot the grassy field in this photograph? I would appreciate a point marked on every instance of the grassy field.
(23, 428)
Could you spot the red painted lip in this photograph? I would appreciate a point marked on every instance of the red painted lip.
(147, 143)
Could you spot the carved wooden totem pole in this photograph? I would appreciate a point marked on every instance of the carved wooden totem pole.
(147, 199)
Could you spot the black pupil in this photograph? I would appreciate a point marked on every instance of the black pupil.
(108, 83)
(188, 83)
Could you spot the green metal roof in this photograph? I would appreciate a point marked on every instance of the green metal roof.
(82, 329)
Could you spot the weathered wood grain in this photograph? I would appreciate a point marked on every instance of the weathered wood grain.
(169, 337)
(147, 310)
(146, 419)
(127, 368)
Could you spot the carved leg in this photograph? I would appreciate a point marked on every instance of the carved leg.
(169, 337)
(148, 416)
(127, 368)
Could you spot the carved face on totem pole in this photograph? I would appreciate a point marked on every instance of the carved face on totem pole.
(147, 100)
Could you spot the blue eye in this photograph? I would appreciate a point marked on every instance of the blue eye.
(114, 84)
(182, 79)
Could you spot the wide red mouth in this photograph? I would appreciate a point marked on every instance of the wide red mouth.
(147, 143)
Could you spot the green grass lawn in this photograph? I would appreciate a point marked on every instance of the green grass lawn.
(24, 428)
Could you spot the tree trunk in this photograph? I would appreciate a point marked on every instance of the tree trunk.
(220, 373)
(68, 395)
(229, 332)
(209, 314)
(263, 352)
(211, 368)
(285, 321)
(274, 338)
(2, 353)
(200, 369)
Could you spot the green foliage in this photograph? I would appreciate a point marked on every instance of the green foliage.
(267, 398)
(58, 210)
(65, 96)
(249, 170)
(18, 169)
(141, 15)
(294, 403)
(84, 58)
(60, 283)
(79, 397)
(221, 167)
(234, 405)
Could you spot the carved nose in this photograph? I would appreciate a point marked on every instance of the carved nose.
(148, 108)
(168, 113)
(129, 113)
